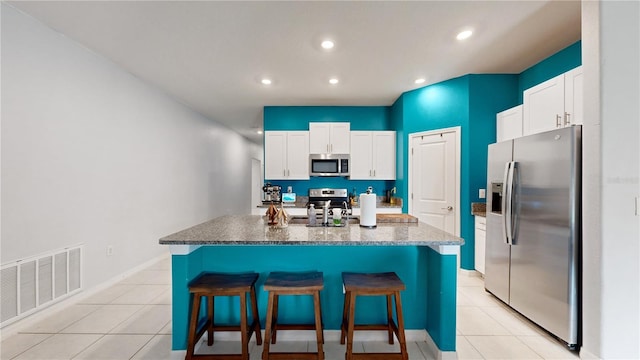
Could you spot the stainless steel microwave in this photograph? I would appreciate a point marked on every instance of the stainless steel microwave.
(329, 164)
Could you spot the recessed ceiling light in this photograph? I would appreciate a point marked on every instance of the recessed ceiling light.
(464, 34)
(420, 81)
(259, 131)
(327, 44)
(266, 81)
(333, 81)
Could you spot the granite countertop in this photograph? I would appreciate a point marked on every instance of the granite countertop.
(479, 209)
(252, 230)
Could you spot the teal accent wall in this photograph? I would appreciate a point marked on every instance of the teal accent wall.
(429, 301)
(556, 64)
(299, 117)
(470, 102)
(441, 315)
(301, 187)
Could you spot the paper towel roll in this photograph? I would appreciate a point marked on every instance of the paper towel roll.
(368, 210)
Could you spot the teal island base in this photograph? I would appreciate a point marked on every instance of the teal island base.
(429, 302)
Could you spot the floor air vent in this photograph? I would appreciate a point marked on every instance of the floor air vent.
(33, 283)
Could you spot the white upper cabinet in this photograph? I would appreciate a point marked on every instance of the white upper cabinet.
(329, 138)
(553, 104)
(573, 96)
(373, 155)
(509, 124)
(286, 155)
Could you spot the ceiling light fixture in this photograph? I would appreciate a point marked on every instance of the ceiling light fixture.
(420, 81)
(333, 81)
(464, 34)
(266, 81)
(259, 131)
(327, 44)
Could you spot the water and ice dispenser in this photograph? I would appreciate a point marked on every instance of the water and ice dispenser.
(496, 198)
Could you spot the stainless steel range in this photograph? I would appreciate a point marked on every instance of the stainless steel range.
(330, 199)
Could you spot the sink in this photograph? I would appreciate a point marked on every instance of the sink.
(303, 220)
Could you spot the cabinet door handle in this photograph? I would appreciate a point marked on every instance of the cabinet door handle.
(567, 118)
(558, 121)
(374, 172)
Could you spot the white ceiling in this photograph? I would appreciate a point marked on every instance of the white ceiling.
(211, 55)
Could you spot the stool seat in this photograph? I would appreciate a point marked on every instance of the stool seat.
(210, 285)
(293, 283)
(208, 282)
(375, 282)
(387, 284)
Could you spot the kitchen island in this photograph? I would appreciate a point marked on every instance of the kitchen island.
(424, 257)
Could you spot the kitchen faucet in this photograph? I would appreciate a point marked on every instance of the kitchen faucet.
(346, 210)
(325, 212)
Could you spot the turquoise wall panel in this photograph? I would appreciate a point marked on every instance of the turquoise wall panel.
(470, 102)
(556, 64)
(184, 268)
(418, 267)
(441, 312)
(299, 117)
(488, 95)
(397, 124)
(301, 187)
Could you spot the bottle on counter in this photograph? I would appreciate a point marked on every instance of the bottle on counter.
(311, 213)
(353, 199)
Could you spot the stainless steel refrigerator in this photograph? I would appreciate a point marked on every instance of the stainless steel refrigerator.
(533, 228)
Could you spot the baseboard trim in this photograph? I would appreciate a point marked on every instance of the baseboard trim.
(586, 354)
(469, 273)
(334, 336)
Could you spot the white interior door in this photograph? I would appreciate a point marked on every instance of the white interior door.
(434, 181)
(256, 183)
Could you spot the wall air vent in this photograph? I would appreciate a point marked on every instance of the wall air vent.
(33, 283)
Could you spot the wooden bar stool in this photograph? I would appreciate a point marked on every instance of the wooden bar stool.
(219, 284)
(376, 284)
(293, 283)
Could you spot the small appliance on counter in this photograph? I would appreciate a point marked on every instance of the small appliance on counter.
(271, 194)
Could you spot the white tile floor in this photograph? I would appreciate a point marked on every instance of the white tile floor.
(132, 320)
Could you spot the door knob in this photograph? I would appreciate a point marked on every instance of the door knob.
(448, 208)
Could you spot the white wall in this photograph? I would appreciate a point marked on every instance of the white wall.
(91, 154)
(611, 303)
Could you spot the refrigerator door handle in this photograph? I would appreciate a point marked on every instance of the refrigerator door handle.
(505, 202)
(512, 210)
(508, 216)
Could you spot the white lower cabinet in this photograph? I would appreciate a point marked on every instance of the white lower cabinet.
(481, 240)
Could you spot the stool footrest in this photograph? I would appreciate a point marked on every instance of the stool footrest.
(293, 356)
(377, 356)
(373, 327)
(295, 327)
(217, 356)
